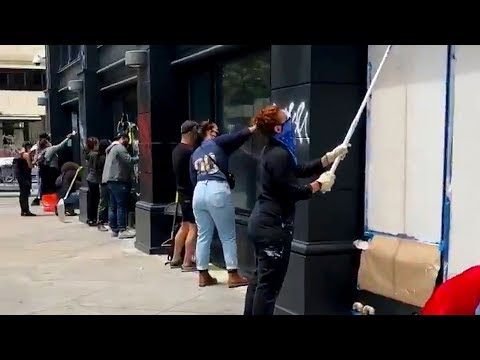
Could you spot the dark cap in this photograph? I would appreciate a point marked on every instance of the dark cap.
(44, 136)
(188, 126)
(121, 135)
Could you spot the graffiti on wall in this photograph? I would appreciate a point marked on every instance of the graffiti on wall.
(300, 118)
(131, 129)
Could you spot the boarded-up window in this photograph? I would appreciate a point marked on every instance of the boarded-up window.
(405, 141)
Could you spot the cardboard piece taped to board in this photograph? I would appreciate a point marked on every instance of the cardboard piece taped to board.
(400, 269)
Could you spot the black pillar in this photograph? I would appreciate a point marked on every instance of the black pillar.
(329, 81)
(159, 118)
(89, 114)
(59, 124)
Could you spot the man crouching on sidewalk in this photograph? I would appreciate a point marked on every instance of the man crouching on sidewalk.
(117, 174)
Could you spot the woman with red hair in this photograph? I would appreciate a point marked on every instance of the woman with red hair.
(270, 226)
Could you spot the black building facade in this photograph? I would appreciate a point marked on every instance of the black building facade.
(322, 85)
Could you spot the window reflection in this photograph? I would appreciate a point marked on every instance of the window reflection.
(245, 90)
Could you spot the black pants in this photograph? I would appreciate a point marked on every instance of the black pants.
(49, 176)
(25, 188)
(93, 198)
(103, 204)
(272, 255)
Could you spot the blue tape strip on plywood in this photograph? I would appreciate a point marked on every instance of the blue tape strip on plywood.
(369, 234)
(447, 165)
(367, 148)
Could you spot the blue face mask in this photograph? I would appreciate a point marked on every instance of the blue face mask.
(287, 137)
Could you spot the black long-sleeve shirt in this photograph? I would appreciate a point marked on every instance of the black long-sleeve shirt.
(279, 185)
(181, 168)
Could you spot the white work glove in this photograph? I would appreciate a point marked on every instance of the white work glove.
(326, 180)
(340, 151)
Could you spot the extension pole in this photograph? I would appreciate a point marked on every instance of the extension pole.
(355, 121)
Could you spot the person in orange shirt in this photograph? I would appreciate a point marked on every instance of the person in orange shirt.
(459, 295)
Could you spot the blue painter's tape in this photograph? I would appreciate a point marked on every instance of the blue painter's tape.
(367, 146)
(370, 233)
(447, 163)
(442, 246)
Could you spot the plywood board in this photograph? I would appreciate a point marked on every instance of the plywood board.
(400, 269)
(405, 141)
(426, 73)
(385, 145)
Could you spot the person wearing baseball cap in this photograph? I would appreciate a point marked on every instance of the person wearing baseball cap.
(187, 234)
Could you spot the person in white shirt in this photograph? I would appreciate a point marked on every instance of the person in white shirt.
(36, 201)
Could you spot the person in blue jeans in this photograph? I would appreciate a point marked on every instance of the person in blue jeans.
(118, 175)
(212, 201)
(68, 174)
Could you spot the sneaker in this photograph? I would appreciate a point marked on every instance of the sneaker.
(127, 234)
(101, 227)
(114, 234)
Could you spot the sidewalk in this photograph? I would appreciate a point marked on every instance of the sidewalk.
(47, 267)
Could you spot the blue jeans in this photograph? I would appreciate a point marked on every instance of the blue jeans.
(73, 200)
(213, 207)
(118, 205)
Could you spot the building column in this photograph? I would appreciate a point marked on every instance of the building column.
(159, 120)
(89, 115)
(59, 124)
(324, 86)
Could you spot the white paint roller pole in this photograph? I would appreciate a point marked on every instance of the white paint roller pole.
(355, 121)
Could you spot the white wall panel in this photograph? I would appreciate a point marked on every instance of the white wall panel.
(405, 141)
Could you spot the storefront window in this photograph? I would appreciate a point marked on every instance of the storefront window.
(201, 96)
(245, 89)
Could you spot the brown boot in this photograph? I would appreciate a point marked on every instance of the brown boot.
(204, 279)
(235, 280)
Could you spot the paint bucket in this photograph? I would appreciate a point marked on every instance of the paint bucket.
(49, 202)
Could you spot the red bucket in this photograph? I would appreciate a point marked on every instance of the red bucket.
(49, 202)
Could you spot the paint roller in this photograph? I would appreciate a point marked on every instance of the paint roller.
(356, 120)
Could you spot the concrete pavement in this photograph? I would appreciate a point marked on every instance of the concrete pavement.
(47, 267)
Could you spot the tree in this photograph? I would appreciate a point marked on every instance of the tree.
(246, 80)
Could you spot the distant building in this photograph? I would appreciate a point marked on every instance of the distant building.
(22, 81)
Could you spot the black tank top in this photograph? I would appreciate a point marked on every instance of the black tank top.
(22, 171)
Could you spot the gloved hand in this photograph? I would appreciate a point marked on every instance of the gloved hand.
(340, 151)
(326, 180)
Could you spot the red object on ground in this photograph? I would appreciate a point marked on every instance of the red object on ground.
(49, 201)
(459, 295)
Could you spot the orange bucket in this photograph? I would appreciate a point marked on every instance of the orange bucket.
(49, 202)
